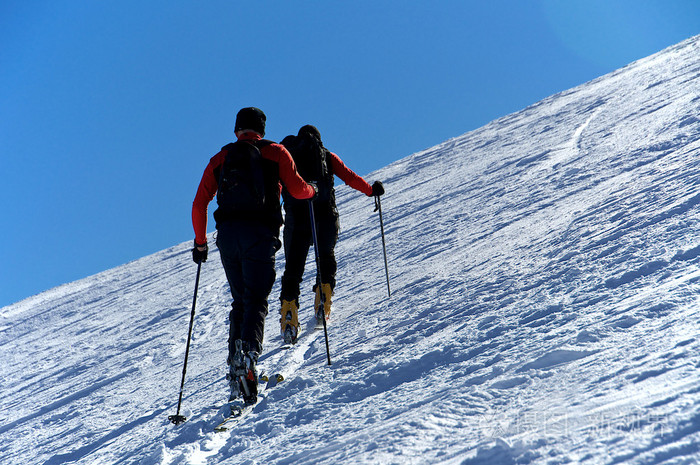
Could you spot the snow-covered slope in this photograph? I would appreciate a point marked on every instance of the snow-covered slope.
(545, 272)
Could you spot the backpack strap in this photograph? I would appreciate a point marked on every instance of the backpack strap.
(262, 143)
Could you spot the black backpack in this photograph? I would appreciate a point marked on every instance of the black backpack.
(312, 160)
(241, 180)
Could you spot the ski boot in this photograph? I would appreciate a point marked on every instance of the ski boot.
(234, 383)
(322, 303)
(243, 376)
(289, 321)
(251, 360)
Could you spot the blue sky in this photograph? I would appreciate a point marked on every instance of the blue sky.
(109, 111)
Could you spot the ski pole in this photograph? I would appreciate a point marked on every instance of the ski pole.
(378, 207)
(177, 418)
(318, 278)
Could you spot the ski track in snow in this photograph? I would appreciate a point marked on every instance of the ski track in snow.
(545, 272)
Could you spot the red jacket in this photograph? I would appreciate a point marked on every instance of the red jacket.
(348, 176)
(209, 184)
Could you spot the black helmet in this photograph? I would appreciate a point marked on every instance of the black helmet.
(251, 118)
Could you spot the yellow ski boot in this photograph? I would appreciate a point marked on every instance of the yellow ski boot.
(322, 303)
(289, 321)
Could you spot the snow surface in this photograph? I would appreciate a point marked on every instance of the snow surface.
(545, 272)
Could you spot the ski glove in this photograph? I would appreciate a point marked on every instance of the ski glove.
(377, 189)
(200, 256)
(314, 185)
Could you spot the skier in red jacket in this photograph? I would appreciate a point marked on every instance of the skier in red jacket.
(248, 225)
(318, 165)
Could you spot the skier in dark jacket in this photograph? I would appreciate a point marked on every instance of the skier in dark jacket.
(317, 165)
(247, 239)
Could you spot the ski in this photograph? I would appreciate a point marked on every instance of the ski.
(271, 381)
(238, 410)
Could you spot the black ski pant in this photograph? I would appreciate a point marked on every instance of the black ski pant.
(297, 241)
(248, 255)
